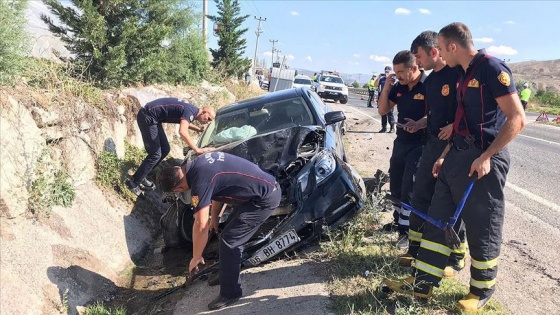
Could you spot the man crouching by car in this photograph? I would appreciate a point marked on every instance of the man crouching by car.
(214, 179)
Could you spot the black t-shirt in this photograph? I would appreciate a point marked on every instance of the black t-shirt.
(441, 100)
(410, 104)
(226, 178)
(486, 79)
(170, 110)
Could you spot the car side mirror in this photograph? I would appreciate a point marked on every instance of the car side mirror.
(334, 117)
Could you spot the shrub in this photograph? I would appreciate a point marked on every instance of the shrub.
(13, 39)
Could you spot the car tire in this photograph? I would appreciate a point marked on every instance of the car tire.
(171, 229)
(344, 100)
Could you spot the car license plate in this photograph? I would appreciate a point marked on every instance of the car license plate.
(274, 247)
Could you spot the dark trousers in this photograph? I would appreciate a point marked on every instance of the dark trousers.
(155, 143)
(245, 223)
(524, 103)
(370, 98)
(402, 168)
(389, 117)
(483, 215)
(424, 185)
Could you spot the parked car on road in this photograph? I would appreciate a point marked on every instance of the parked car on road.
(296, 137)
(331, 86)
(302, 81)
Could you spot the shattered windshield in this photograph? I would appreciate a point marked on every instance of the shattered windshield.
(247, 122)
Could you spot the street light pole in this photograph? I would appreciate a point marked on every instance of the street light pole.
(272, 41)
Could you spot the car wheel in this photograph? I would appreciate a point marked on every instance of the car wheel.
(169, 222)
(344, 100)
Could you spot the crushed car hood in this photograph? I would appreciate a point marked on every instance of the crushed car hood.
(274, 151)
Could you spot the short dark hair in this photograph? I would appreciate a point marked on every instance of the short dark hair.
(405, 57)
(169, 178)
(457, 32)
(427, 40)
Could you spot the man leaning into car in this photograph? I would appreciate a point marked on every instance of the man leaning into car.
(214, 179)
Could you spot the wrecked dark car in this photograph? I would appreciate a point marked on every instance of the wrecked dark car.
(293, 135)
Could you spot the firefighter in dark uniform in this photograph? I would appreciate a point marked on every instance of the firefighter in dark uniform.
(214, 179)
(150, 119)
(441, 103)
(489, 116)
(408, 94)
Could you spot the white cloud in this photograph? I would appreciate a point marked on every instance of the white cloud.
(509, 22)
(377, 58)
(402, 11)
(483, 39)
(502, 50)
(308, 58)
(294, 13)
(425, 11)
(356, 55)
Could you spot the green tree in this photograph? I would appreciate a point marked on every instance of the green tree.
(12, 39)
(229, 56)
(355, 84)
(123, 41)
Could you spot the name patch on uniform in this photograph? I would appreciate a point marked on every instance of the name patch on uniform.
(503, 77)
(445, 90)
(194, 200)
(419, 96)
(473, 83)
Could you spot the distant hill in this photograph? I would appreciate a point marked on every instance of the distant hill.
(543, 75)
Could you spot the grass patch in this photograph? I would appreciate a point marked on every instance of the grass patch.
(360, 257)
(112, 171)
(50, 188)
(99, 309)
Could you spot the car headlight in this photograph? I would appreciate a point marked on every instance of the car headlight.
(324, 167)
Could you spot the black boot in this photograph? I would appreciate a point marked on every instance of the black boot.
(384, 129)
(392, 129)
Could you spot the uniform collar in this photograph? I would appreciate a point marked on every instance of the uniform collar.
(480, 54)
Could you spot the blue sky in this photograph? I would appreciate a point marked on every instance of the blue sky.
(363, 36)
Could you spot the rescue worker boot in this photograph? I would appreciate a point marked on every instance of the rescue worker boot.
(392, 129)
(147, 185)
(408, 285)
(472, 303)
(133, 187)
(406, 260)
(453, 270)
(221, 302)
(383, 129)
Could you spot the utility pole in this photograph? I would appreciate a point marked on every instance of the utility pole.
(204, 13)
(272, 57)
(258, 33)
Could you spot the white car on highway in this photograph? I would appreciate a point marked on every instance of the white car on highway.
(331, 86)
(302, 80)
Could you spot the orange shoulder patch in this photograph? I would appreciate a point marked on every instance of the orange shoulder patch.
(503, 77)
(194, 200)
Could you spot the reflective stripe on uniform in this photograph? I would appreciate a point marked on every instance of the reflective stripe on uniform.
(404, 222)
(484, 264)
(414, 236)
(461, 250)
(483, 284)
(435, 247)
(405, 212)
(429, 269)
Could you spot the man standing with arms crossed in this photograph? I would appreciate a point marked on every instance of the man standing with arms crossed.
(408, 95)
(441, 103)
(489, 116)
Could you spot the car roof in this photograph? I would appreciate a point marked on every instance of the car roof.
(302, 76)
(263, 99)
